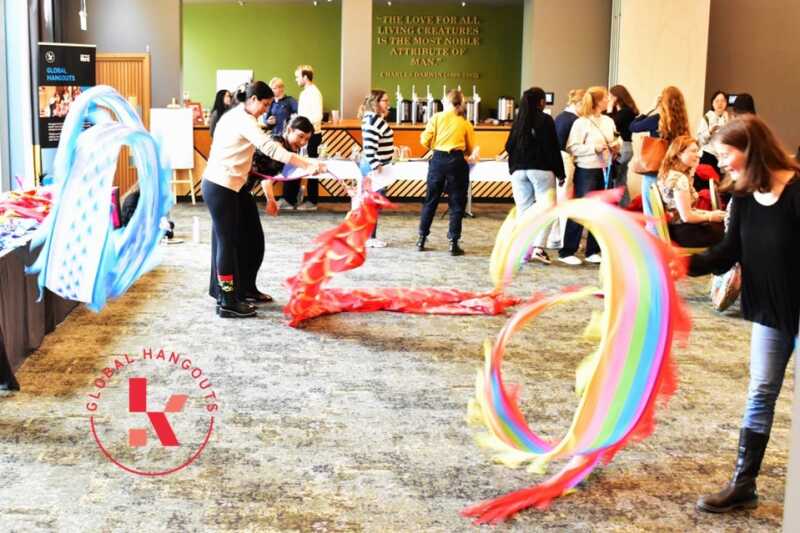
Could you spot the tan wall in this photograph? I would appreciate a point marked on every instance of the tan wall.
(660, 44)
(123, 26)
(565, 45)
(753, 47)
(664, 43)
(356, 59)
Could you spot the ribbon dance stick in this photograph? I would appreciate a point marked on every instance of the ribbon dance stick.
(618, 384)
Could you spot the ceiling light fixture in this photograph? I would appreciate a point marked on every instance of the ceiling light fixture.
(82, 15)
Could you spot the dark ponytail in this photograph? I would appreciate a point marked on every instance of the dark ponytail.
(259, 89)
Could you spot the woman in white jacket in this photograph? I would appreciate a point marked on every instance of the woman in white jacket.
(712, 121)
(592, 143)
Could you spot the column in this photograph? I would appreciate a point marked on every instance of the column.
(565, 45)
(356, 62)
(661, 44)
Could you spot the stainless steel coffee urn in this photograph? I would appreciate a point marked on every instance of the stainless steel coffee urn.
(404, 111)
(505, 108)
(398, 113)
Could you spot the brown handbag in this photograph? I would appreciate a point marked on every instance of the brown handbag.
(650, 156)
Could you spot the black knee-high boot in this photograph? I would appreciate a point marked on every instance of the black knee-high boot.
(741, 491)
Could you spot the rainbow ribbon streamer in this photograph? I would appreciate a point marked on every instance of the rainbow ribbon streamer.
(618, 384)
(83, 258)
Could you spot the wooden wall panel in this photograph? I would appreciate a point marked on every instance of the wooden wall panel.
(129, 74)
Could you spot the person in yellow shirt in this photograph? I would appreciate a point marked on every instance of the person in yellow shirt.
(451, 136)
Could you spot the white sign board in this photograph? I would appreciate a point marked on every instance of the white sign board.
(174, 130)
(231, 79)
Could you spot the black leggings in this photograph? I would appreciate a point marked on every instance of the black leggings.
(223, 204)
(248, 244)
(697, 235)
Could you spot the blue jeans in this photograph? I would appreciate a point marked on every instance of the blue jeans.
(447, 171)
(621, 171)
(585, 181)
(770, 350)
(534, 186)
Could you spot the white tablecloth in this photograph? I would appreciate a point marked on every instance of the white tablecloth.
(406, 170)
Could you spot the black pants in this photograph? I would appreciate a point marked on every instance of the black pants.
(446, 172)
(585, 181)
(248, 243)
(291, 189)
(697, 235)
(223, 204)
(706, 159)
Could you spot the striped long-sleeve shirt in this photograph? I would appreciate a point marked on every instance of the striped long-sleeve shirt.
(378, 140)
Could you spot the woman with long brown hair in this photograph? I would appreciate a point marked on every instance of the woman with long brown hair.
(688, 226)
(762, 237)
(622, 110)
(667, 120)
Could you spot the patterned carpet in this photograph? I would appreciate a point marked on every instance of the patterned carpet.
(356, 422)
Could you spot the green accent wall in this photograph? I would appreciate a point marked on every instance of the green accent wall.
(271, 39)
(496, 59)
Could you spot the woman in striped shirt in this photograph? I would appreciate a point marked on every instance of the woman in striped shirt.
(378, 140)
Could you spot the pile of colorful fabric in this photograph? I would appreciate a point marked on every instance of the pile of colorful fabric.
(342, 249)
(21, 212)
(33, 204)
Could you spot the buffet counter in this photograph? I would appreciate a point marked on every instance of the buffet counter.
(339, 139)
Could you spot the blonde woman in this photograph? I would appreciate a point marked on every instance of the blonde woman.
(378, 139)
(667, 120)
(451, 136)
(592, 142)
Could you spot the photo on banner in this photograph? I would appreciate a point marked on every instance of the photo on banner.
(65, 71)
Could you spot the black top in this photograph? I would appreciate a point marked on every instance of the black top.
(266, 165)
(622, 122)
(538, 149)
(766, 242)
(564, 122)
(648, 123)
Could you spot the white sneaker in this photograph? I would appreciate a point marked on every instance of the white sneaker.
(595, 259)
(375, 243)
(306, 206)
(571, 260)
(284, 205)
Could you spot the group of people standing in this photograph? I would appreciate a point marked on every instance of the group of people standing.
(589, 147)
(593, 131)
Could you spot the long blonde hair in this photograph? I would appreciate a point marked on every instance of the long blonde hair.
(456, 99)
(370, 104)
(673, 119)
(590, 100)
(575, 96)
